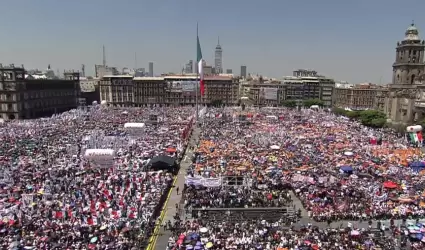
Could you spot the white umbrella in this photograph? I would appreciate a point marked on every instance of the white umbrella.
(274, 147)
(203, 230)
(348, 153)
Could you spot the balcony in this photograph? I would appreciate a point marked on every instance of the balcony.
(419, 104)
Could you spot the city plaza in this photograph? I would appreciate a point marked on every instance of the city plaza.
(154, 178)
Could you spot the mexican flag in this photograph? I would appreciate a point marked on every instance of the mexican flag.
(414, 137)
(200, 64)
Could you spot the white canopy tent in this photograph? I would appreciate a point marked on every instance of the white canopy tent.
(413, 129)
(102, 158)
(134, 125)
(95, 153)
(134, 128)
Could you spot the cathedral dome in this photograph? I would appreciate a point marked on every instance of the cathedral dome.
(412, 33)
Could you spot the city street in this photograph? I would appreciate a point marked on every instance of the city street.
(160, 240)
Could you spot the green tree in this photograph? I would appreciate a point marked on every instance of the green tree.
(339, 111)
(289, 103)
(372, 118)
(311, 102)
(352, 114)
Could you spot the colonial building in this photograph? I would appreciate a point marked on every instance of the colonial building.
(298, 87)
(359, 97)
(256, 90)
(170, 90)
(408, 71)
(380, 98)
(28, 98)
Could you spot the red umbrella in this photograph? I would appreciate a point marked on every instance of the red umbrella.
(171, 150)
(269, 196)
(390, 185)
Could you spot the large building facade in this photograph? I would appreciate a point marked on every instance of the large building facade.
(358, 97)
(273, 93)
(408, 69)
(171, 90)
(23, 98)
(309, 87)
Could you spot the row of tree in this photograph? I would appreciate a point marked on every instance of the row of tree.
(370, 118)
(306, 103)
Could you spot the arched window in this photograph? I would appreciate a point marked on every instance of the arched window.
(412, 79)
(398, 78)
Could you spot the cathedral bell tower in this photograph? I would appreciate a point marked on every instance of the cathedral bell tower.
(409, 63)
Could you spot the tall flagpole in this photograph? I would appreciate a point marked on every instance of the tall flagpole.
(197, 77)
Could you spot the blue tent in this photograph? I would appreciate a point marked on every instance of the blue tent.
(417, 165)
(347, 169)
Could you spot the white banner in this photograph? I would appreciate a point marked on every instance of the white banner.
(269, 93)
(201, 181)
(188, 86)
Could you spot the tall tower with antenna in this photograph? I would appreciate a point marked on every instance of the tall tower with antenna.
(104, 55)
(218, 60)
(83, 70)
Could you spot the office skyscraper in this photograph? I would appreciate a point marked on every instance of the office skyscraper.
(229, 71)
(150, 69)
(243, 71)
(218, 61)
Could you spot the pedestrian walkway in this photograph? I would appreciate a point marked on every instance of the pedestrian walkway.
(160, 240)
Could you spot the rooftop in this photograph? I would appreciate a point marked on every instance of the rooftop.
(148, 78)
(117, 76)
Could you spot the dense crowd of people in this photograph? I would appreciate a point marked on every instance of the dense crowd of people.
(332, 164)
(84, 179)
(328, 161)
(54, 195)
(260, 234)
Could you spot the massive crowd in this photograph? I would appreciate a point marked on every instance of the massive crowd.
(329, 162)
(56, 195)
(81, 180)
(260, 234)
(338, 168)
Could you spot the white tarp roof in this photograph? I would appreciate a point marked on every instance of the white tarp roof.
(94, 152)
(134, 125)
(415, 128)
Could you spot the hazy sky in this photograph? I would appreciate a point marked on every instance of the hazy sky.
(347, 40)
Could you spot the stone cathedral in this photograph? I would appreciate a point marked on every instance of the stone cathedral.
(405, 94)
